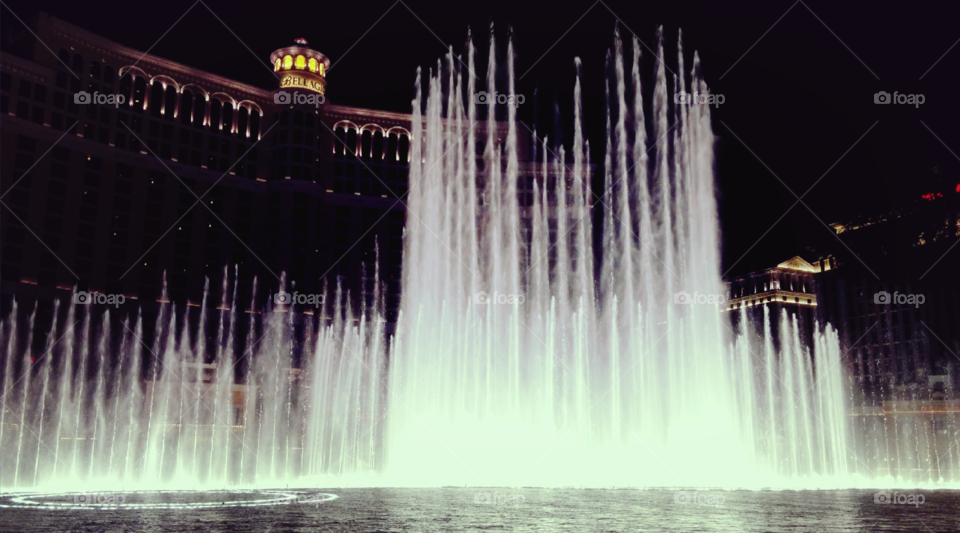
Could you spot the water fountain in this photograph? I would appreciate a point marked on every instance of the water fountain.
(197, 407)
(606, 383)
(518, 359)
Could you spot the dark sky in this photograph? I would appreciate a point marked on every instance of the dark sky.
(798, 79)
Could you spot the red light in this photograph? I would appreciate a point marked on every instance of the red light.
(958, 187)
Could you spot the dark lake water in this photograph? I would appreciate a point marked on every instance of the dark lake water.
(494, 509)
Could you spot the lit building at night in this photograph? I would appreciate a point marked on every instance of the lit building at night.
(123, 168)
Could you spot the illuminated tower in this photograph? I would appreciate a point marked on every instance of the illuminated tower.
(300, 68)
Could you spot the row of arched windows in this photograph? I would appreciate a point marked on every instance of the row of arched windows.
(372, 142)
(299, 62)
(190, 104)
(163, 97)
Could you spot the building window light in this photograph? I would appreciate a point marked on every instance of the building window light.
(277, 65)
(301, 62)
(313, 64)
(287, 62)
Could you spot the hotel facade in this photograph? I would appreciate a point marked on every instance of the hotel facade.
(124, 173)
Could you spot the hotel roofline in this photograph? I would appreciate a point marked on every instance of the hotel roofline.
(184, 75)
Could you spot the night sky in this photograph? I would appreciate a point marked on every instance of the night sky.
(798, 80)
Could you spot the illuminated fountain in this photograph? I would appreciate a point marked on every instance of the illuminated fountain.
(518, 359)
(212, 401)
(600, 378)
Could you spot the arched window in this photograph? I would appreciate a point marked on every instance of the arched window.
(287, 62)
(313, 64)
(255, 124)
(170, 102)
(341, 138)
(214, 114)
(139, 90)
(125, 85)
(186, 107)
(392, 148)
(366, 139)
(403, 150)
(301, 62)
(377, 150)
(108, 75)
(199, 110)
(242, 119)
(351, 142)
(276, 66)
(95, 70)
(155, 102)
(64, 56)
(78, 65)
(226, 123)
(320, 68)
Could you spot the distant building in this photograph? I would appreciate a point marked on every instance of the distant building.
(895, 299)
(890, 286)
(764, 297)
(790, 284)
(899, 335)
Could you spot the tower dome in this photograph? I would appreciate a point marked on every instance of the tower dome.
(300, 68)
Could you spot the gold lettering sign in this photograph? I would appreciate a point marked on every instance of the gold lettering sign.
(295, 81)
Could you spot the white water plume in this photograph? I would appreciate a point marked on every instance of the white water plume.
(523, 355)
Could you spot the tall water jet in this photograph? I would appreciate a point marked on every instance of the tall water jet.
(102, 407)
(513, 371)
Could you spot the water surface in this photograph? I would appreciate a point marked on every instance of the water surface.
(528, 509)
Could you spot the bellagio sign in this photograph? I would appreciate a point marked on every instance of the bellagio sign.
(297, 80)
